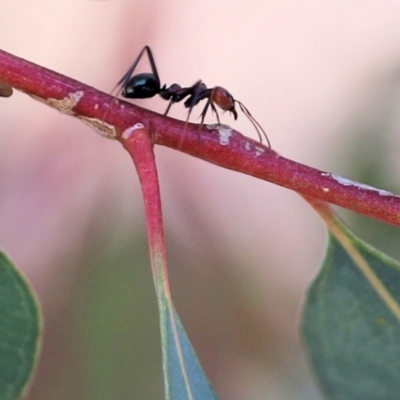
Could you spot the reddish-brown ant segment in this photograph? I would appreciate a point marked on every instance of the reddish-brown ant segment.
(146, 85)
(222, 98)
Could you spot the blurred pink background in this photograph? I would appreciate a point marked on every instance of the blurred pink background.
(323, 81)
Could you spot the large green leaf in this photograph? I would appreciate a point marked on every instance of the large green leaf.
(183, 374)
(352, 321)
(20, 327)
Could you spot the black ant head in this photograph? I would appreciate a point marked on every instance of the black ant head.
(141, 86)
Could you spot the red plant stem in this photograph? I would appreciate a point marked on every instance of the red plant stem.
(235, 152)
(136, 141)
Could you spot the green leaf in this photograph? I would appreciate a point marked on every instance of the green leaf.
(183, 374)
(20, 327)
(352, 321)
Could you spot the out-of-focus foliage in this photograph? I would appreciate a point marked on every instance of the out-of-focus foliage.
(20, 331)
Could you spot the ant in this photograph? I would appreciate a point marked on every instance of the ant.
(146, 85)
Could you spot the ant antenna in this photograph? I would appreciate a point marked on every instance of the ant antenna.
(260, 131)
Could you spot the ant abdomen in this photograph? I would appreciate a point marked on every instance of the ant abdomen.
(141, 86)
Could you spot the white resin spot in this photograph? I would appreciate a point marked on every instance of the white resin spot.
(349, 182)
(224, 133)
(128, 132)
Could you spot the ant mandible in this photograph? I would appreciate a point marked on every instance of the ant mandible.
(146, 85)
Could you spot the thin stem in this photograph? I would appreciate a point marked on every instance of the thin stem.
(219, 145)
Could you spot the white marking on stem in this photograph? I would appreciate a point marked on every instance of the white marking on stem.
(349, 182)
(64, 105)
(106, 130)
(224, 132)
(128, 132)
(259, 150)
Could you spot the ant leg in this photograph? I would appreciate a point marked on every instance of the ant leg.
(205, 109)
(174, 94)
(210, 103)
(169, 106)
(124, 80)
(197, 92)
(214, 109)
(152, 64)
